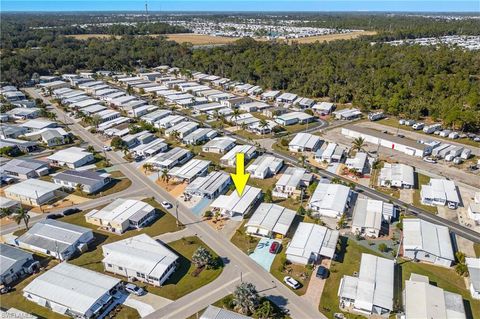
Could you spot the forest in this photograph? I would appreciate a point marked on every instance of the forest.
(440, 82)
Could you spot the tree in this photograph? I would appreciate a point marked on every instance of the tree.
(90, 149)
(5, 212)
(302, 160)
(268, 196)
(341, 221)
(147, 167)
(263, 124)
(461, 266)
(383, 247)
(311, 188)
(246, 298)
(236, 115)
(174, 134)
(265, 310)
(358, 144)
(22, 215)
(79, 188)
(117, 143)
(202, 257)
(301, 211)
(165, 176)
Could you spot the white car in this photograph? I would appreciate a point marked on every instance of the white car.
(107, 148)
(430, 160)
(291, 282)
(131, 288)
(166, 205)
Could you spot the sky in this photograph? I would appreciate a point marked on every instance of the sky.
(236, 5)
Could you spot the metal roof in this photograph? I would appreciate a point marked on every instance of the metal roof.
(23, 165)
(71, 286)
(170, 157)
(248, 150)
(368, 213)
(291, 177)
(441, 189)
(69, 155)
(330, 197)
(32, 188)
(81, 177)
(235, 204)
(272, 217)
(190, 169)
(473, 265)
(431, 238)
(140, 253)
(122, 209)
(208, 185)
(304, 140)
(9, 256)
(398, 172)
(213, 312)
(313, 239)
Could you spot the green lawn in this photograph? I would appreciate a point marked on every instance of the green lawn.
(281, 268)
(445, 278)
(349, 256)
(295, 128)
(127, 313)
(92, 259)
(182, 281)
(250, 135)
(417, 200)
(393, 122)
(476, 247)
(119, 183)
(243, 241)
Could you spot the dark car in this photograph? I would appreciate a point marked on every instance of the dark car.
(322, 272)
(274, 247)
(54, 216)
(71, 211)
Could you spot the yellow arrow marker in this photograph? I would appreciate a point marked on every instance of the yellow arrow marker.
(240, 178)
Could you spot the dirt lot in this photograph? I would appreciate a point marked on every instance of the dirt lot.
(199, 39)
(333, 37)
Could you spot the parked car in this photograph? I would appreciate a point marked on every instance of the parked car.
(133, 289)
(5, 289)
(274, 247)
(292, 283)
(107, 148)
(430, 160)
(166, 205)
(71, 211)
(54, 216)
(322, 272)
(452, 205)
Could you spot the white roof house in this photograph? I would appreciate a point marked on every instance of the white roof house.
(209, 186)
(72, 157)
(473, 265)
(230, 159)
(265, 166)
(291, 181)
(372, 291)
(55, 238)
(440, 192)
(286, 98)
(121, 215)
(190, 170)
(141, 258)
(237, 206)
(38, 124)
(213, 312)
(397, 175)
(169, 121)
(69, 289)
(32, 192)
(304, 142)
(270, 220)
(428, 242)
(323, 108)
(199, 135)
(173, 157)
(474, 209)
(310, 242)
(330, 200)
(358, 163)
(219, 145)
(423, 300)
(368, 216)
(183, 129)
(14, 264)
(293, 118)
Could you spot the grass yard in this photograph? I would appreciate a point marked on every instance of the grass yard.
(243, 241)
(296, 128)
(476, 248)
(333, 37)
(119, 183)
(15, 298)
(127, 313)
(182, 282)
(349, 256)
(92, 259)
(281, 268)
(417, 200)
(251, 136)
(445, 278)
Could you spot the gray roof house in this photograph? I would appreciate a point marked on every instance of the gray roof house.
(90, 181)
(213, 312)
(210, 186)
(55, 238)
(25, 168)
(14, 264)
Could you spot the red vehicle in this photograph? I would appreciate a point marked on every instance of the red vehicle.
(274, 247)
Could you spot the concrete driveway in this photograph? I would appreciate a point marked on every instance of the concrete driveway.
(262, 255)
(147, 303)
(316, 285)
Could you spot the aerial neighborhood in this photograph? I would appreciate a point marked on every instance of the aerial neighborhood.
(120, 194)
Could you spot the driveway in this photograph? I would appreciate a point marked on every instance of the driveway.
(316, 285)
(147, 303)
(262, 255)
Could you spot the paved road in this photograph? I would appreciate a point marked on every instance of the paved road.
(233, 257)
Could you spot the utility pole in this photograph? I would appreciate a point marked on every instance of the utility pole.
(176, 214)
(146, 12)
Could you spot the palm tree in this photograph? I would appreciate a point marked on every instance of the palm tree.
(95, 120)
(358, 144)
(244, 126)
(202, 257)
(265, 310)
(22, 215)
(5, 212)
(79, 188)
(147, 167)
(175, 134)
(263, 124)
(236, 114)
(246, 298)
(165, 176)
(302, 160)
(90, 149)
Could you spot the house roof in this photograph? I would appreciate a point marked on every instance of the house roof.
(398, 172)
(72, 286)
(166, 159)
(38, 124)
(422, 235)
(81, 177)
(69, 155)
(213, 312)
(33, 188)
(313, 239)
(24, 166)
(423, 300)
(9, 256)
(304, 140)
(221, 143)
(122, 209)
(190, 169)
(272, 217)
(441, 188)
(264, 163)
(236, 204)
(246, 149)
(291, 177)
(141, 253)
(53, 235)
(473, 265)
(368, 213)
(208, 184)
(330, 197)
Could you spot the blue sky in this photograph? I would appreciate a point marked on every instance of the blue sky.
(252, 5)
